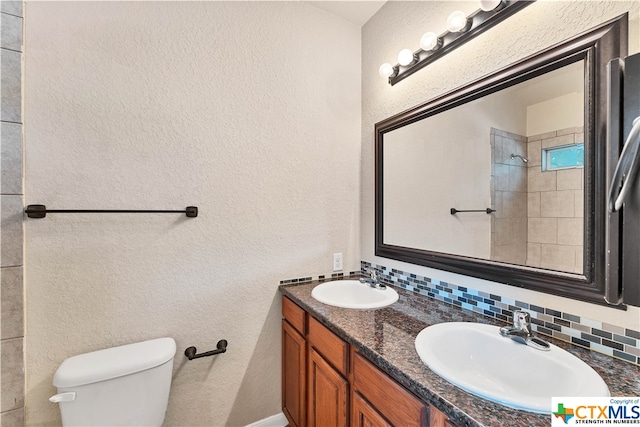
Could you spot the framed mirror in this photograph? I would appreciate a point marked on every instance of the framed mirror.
(505, 178)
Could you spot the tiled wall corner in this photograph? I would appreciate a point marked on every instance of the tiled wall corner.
(11, 297)
(11, 8)
(11, 217)
(12, 418)
(12, 374)
(509, 196)
(595, 335)
(11, 158)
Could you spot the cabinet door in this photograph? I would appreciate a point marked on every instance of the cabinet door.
(327, 394)
(293, 375)
(364, 415)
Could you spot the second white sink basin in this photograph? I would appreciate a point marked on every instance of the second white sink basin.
(353, 294)
(476, 358)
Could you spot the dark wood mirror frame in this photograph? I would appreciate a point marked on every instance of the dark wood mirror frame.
(596, 48)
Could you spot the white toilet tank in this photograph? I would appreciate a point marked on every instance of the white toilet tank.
(120, 386)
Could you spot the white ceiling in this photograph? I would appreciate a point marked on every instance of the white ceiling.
(357, 12)
(565, 80)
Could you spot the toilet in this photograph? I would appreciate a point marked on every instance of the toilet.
(120, 386)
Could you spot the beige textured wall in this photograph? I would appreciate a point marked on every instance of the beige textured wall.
(248, 110)
(400, 24)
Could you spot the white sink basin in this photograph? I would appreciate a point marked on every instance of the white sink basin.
(353, 294)
(476, 358)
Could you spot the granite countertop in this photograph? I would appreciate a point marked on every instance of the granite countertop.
(386, 336)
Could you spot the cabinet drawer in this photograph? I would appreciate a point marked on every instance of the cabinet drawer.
(294, 315)
(395, 403)
(329, 345)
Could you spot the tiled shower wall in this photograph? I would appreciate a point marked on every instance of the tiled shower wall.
(538, 218)
(11, 206)
(509, 197)
(555, 206)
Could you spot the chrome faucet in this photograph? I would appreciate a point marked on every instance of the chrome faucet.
(522, 333)
(373, 281)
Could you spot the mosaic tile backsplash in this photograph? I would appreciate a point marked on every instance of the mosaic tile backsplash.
(604, 338)
(332, 276)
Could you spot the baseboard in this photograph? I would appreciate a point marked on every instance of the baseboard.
(277, 420)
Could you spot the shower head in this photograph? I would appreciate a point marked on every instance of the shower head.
(525, 160)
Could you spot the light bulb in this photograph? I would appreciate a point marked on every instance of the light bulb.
(456, 22)
(430, 41)
(405, 57)
(386, 70)
(488, 5)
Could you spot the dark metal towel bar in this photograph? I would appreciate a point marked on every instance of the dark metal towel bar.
(41, 211)
(488, 211)
(191, 351)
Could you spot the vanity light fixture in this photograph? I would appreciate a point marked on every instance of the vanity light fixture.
(457, 22)
(388, 70)
(488, 5)
(430, 41)
(406, 57)
(461, 28)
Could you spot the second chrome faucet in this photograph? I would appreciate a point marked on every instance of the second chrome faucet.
(522, 333)
(374, 281)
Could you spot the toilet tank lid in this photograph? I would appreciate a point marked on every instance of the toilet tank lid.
(114, 362)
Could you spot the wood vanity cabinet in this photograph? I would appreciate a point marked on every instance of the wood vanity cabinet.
(391, 401)
(327, 388)
(294, 363)
(325, 383)
(327, 394)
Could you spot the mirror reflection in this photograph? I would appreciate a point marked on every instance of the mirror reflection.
(519, 152)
